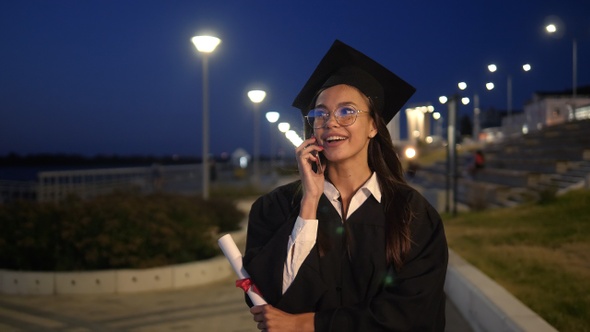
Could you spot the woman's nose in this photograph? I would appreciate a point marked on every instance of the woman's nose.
(331, 121)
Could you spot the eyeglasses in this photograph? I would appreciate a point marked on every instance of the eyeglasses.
(345, 116)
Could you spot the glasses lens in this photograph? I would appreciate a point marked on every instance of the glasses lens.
(345, 116)
(317, 118)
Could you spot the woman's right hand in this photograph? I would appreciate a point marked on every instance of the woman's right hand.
(307, 155)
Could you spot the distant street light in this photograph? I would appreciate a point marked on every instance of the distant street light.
(256, 97)
(205, 45)
(493, 68)
(284, 127)
(451, 178)
(292, 136)
(553, 28)
(438, 123)
(272, 117)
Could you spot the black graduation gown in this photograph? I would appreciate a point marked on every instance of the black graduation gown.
(345, 279)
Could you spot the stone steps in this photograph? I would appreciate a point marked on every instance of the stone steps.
(519, 169)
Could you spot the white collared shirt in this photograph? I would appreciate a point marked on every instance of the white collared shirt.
(303, 236)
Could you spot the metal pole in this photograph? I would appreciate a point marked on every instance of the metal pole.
(476, 122)
(574, 69)
(448, 177)
(205, 157)
(509, 99)
(256, 146)
(272, 148)
(452, 158)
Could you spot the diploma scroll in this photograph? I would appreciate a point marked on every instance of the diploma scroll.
(234, 256)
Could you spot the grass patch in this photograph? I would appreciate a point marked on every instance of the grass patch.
(539, 252)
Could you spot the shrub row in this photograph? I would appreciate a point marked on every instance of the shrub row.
(119, 230)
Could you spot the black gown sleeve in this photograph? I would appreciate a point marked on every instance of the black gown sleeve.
(270, 223)
(412, 299)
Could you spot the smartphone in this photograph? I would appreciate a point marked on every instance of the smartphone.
(317, 166)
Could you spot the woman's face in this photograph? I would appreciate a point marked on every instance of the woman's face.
(348, 143)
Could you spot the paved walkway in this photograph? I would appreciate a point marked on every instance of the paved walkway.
(215, 307)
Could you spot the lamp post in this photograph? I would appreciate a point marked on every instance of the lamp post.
(293, 137)
(256, 97)
(452, 103)
(552, 28)
(451, 146)
(272, 117)
(477, 113)
(205, 45)
(493, 68)
(284, 127)
(438, 124)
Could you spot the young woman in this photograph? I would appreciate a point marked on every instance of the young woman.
(350, 246)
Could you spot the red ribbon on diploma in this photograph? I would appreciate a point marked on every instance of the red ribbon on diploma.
(246, 284)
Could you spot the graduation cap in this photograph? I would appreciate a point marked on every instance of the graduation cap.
(343, 64)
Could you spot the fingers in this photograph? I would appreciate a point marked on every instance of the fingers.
(308, 151)
(258, 314)
(308, 145)
(256, 309)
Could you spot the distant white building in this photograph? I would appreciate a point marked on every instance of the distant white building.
(551, 108)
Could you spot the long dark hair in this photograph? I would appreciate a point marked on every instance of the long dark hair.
(384, 160)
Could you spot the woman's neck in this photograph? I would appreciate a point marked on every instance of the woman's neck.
(348, 179)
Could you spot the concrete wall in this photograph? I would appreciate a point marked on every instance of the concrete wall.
(485, 304)
(115, 281)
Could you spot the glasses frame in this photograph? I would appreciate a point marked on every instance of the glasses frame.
(330, 114)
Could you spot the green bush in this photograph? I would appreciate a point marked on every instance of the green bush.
(120, 230)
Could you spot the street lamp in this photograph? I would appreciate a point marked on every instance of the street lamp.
(292, 136)
(476, 110)
(451, 178)
(272, 117)
(284, 127)
(552, 28)
(256, 97)
(493, 68)
(452, 103)
(438, 123)
(205, 45)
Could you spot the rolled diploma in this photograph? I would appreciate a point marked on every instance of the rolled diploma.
(234, 256)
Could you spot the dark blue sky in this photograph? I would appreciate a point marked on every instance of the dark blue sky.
(122, 77)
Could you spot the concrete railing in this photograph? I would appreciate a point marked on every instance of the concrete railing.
(56, 185)
(117, 281)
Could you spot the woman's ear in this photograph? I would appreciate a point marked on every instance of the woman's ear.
(373, 131)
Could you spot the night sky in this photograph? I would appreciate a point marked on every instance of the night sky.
(122, 77)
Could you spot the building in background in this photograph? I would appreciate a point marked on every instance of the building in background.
(551, 108)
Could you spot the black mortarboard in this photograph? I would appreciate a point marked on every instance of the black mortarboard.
(345, 65)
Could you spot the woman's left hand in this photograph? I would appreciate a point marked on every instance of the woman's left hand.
(272, 319)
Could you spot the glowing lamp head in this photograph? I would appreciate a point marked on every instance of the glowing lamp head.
(256, 96)
(272, 116)
(205, 44)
